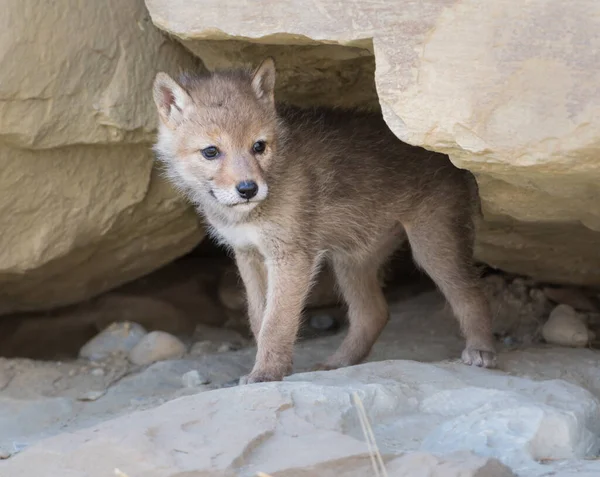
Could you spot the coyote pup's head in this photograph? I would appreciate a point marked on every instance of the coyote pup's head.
(218, 135)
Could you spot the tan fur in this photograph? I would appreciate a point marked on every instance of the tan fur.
(333, 184)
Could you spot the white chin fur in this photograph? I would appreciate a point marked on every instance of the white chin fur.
(232, 199)
(244, 206)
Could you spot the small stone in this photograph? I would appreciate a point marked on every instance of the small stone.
(509, 341)
(224, 347)
(4, 453)
(193, 379)
(203, 347)
(98, 372)
(322, 321)
(156, 346)
(566, 327)
(118, 337)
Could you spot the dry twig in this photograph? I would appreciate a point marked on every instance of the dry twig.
(376, 458)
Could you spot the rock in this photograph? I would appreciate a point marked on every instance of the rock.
(566, 327)
(204, 347)
(323, 321)
(193, 379)
(524, 120)
(156, 346)
(441, 420)
(39, 413)
(119, 337)
(571, 296)
(82, 208)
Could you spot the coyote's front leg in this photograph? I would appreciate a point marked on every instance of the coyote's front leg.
(289, 280)
(251, 266)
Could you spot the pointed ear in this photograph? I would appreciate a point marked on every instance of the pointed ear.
(171, 100)
(263, 81)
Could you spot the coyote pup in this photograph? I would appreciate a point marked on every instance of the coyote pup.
(287, 188)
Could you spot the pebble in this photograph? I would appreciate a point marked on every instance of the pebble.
(224, 347)
(203, 347)
(98, 372)
(509, 341)
(117, 337)
(566, 327)
(4, 453)
(193, 379)
(156, 346)
(322, 321)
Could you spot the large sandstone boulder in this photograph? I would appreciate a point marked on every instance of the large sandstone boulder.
(81, 207)
(509, 91)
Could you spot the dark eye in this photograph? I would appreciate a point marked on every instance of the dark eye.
(259, 147)
(210, 152)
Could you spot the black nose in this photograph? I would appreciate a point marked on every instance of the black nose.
(247, 189)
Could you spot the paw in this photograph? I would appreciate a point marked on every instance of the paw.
(260, 377)
(479, 357)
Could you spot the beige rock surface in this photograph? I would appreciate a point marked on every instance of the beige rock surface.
(439, 420)
(508, 91)
(81, 208)
(76, 73)
(538, 414)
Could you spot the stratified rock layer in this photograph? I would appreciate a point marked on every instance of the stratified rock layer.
(81, 208)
